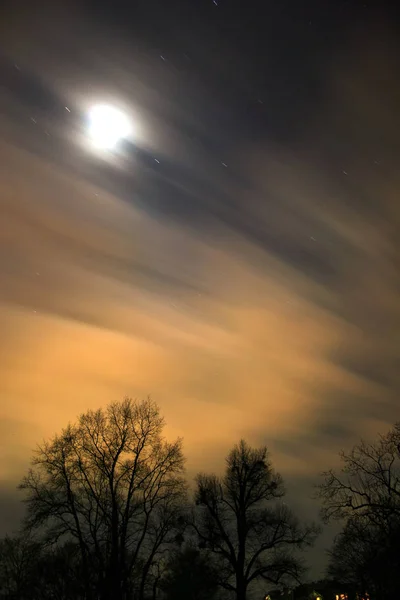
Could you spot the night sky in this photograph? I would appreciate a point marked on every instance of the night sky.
(237, 258)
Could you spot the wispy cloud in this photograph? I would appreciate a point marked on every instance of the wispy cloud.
(251, 287)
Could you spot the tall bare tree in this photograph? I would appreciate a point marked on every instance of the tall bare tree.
(251, 533)
(112, 483)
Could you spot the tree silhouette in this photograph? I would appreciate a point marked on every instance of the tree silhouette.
(368, 483)
(113, 484)
(59, 572)
(252, 535)
(366, 558)
(19, 559)
(190, 575)
(365, 494)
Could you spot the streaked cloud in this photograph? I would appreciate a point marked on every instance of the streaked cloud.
(256, 299)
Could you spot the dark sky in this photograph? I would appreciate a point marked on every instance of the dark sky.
(237, 258)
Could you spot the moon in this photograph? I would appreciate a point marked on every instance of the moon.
(107, 126)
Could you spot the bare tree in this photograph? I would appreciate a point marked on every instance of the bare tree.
(365, 558)
(60, 572)
(190, 575)
(352, 555)
(107, 482)
(252, 535)
(368, 483)
(163, 531)
(365, 496)
(19, 558)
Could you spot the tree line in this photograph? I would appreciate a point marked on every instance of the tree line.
(109, 515)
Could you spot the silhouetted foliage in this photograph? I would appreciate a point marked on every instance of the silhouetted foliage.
(368, 483)
(365, 494)
(190, 575)
(19, 573)
(30, 570)
(107, 518)
(113, 485)
(367, 559)
(60, 573)
(241, 521)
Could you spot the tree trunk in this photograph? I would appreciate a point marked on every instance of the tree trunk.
(112, 589)
(241, 593)
(241, 583)
(241, 587)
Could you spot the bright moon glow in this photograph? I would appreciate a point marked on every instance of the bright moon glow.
(107, 126)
